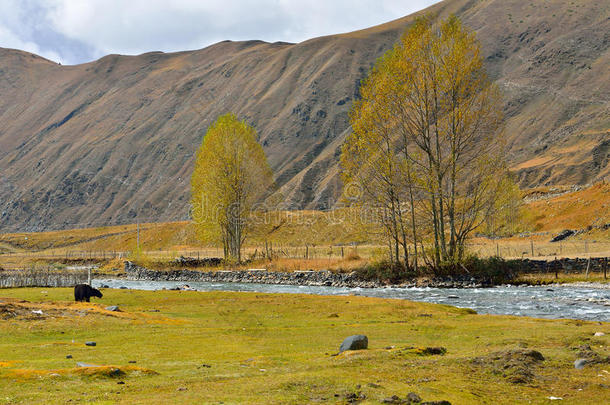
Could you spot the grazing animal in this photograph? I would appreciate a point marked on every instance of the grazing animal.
(82, 292)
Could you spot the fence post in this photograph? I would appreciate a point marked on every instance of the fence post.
(605, 267)
(588, 265)
(532, 246)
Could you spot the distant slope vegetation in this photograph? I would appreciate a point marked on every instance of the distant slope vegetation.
(113, 141)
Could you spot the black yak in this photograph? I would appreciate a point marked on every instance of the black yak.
(82, 292)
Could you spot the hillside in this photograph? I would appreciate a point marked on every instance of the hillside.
(113, 141)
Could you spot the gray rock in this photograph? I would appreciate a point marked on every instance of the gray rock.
(90, 344)
(413, 398)
(580, 363)
(436, 403)
(81, 364)
(394, 399)
(599, 334)
(113, 308)
(355, 342)
(563, 235)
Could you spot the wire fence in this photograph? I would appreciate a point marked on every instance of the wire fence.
(506, 249)
(42, 277)
(541, 250)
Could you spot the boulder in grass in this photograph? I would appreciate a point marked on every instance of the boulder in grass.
(355, 342)
(113, 308)
(90, 344)
(563, 235)
(81, 364)
(580, 363)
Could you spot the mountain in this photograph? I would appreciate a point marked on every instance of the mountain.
(113, 141)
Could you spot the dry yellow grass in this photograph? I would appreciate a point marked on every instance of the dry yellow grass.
(575, 210)
(95, 371)
(293, 236)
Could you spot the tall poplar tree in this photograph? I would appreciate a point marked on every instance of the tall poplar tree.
(231, 176)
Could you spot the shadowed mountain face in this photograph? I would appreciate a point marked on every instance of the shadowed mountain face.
(113, 141)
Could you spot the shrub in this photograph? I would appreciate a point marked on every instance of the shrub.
(492, 269)
(352, 256)
(384, 271)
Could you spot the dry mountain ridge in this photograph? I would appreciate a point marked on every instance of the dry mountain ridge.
(113, 141)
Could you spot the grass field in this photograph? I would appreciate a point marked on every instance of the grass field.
(272, 348)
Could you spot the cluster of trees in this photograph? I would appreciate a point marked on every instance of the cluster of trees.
(425, 153)
(427, 144)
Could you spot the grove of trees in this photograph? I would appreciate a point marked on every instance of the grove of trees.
(426, 150)
(231, 176)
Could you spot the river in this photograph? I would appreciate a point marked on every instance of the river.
(586, 302)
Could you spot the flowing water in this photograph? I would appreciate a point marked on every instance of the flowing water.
(586, 302)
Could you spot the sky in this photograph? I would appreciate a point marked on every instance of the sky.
(78, 31)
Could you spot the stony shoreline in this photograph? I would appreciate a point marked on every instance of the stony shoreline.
(305, 278)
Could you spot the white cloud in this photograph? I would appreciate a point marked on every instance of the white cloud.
(9, 40)
(14, 34)
(81, 30)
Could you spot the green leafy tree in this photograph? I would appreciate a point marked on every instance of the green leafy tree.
(231, 177)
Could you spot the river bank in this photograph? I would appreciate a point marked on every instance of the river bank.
(531, 273)
(299, 278)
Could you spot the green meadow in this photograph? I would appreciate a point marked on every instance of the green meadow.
(169, 347)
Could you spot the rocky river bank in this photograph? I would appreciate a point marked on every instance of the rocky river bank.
(304, 278)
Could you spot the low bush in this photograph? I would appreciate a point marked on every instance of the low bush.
(385, 271)
(493, 270)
